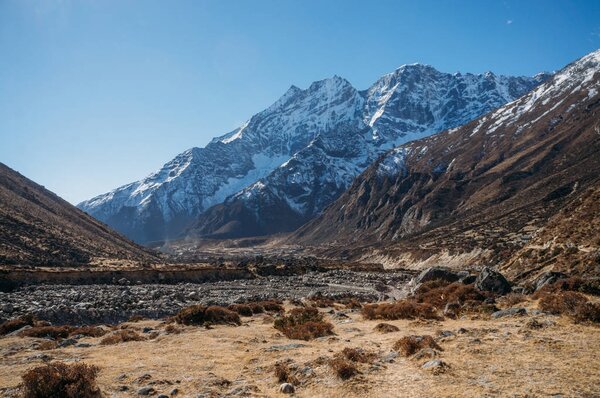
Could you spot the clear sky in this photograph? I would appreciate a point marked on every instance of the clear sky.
(98, 93)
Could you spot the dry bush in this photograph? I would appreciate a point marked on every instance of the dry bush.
(136, 318)
(322, 302)
(122, 336)
(241, 309)
(303, 324)
(357, 355)
(386, 328)
(351, 303)
(222, 316)
(284, 374)
(343, 368)
(47, 345)
(272, 305)
(565, 302)
(405, 309)
(409, 345)
(16, 324)
(201, 315)
(574, 284)
(89, 331)
(49, 332)
(438, 295)
(512, 299)
(172, 329)
(588, 312)
(61, 380)
(256, 308)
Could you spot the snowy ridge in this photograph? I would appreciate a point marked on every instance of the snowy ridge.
(303, 150)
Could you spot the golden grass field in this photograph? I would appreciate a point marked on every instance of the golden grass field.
(490, 358)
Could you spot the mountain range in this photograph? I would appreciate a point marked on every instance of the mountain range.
(287, 163)
(516, 187)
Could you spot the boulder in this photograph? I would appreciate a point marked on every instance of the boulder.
(509, 312)
(548, 278)
(287, 388)
(493, 281)
(434, 273)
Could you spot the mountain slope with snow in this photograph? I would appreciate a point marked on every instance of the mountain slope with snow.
(479, 193)
(291, 160)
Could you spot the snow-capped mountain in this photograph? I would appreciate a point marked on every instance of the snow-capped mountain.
(288, 162)
(478, 193)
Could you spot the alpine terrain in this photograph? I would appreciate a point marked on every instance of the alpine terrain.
(479, 193)
(288, 162)
(39, 228)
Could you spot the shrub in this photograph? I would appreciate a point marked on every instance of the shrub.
(322, 302)
(343, 368)
(513, 299)
(386, 328)
(438, 295)
(242, 309)
(220, 315)
(47, 345)
(49, 332)
(303, 324)
(561, 303)
(409, 345)
(399, 310)
(172, 329)
(121, 336)
(271, 305)
(90, 331)
(16, 324)
(136, 318)
(357, 355)
(588, 312)
(61, 380)
(284, 374)
(200, 315)
(575, 284)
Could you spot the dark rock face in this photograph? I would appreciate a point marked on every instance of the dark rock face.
(492, 281)
(434, 273)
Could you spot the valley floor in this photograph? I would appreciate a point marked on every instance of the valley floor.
(505, 357)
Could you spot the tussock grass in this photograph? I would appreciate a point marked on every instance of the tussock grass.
(303, 324)
(122, 336)
(409, 345)
(61, 380)
(201, 315)
(405, 309)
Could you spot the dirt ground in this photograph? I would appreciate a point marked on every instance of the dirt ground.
(504, 357)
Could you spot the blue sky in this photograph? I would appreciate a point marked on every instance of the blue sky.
(98, 93)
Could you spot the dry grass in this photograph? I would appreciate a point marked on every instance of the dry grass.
(573, 284)
(136, 318)
(61, 380)
(303, 324)
(201, 315)
(405, 309)
(409, 345)
(357, 355)
(439, 294)
(343, 368)
(122, 336)
(89, 331)
(241, 309)
(386, 328)
(172, 329)
(570, 303)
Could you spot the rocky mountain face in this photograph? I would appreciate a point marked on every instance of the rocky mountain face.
(39, 228)
(480, 192)
(288, 162)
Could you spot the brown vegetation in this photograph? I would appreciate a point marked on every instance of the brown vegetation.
(122, 336)
(16, 324)
(283, 373)
(61, 380)
(303, 324)
(409, 345)
(575, 284)
(405, 309)
(201, 315)
(357, 355)
(439, 293)
(343, 368)
(49, 332)
(242, 309)
(570, 303)
(386, 328)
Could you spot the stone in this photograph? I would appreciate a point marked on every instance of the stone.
(83, 345)
(389, 357)
(425, 353)
(436, 366)
(509, 312)
(451, 310)
(285, 347)
(146, 391)
(490, 280)
(433, 273)
(67, 342)
(287, 388)
(163, 396)
(548, 278)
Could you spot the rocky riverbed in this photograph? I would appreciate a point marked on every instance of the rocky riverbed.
(113, 303)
